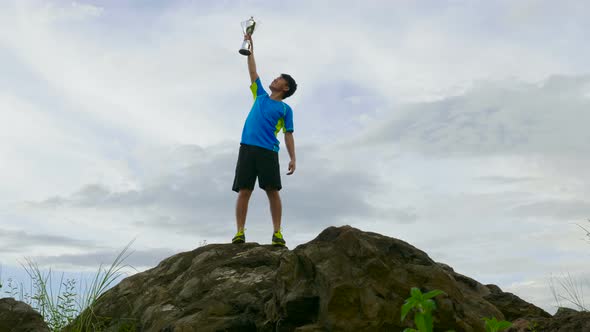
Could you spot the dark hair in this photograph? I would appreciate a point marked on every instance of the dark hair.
(292, 86)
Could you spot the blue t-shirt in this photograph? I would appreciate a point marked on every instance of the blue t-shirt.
(266, 118)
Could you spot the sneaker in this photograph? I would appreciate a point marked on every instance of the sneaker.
(239, 238)
(277, 239)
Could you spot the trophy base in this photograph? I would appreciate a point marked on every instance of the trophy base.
(244, 51)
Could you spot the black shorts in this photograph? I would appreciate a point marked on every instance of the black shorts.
(254, 161)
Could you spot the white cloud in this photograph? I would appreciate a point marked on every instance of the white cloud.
(494, 118)
(74, 11)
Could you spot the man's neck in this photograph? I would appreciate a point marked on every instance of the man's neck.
(276, 96)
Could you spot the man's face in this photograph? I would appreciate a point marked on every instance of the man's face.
(279, 84)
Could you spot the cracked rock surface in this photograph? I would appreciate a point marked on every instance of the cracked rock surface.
(343, 280)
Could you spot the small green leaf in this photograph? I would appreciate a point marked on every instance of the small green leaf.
(406, 308)
(428, 322)
(421, 323)
(429, 306)
(433, 293)
(416, 293)
(504, 325)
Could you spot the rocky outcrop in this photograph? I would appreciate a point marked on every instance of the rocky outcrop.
(17, 316)
(512, 306)
(344, 280)
(565, 320)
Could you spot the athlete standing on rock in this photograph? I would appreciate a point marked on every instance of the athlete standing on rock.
(259, 148)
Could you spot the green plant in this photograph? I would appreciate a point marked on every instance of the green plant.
(493, 325)
(103, 280)
(12, 290)
(424, 306)
(59, 309)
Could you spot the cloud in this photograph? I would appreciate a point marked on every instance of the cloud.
(18, 241)
(494, 118)
(139, 259)
(191, 190)
(506, 179)
(75, 11)
(570, 209)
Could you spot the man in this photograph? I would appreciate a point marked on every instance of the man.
(259, 148)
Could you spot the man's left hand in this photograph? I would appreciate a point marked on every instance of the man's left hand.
(291, 167)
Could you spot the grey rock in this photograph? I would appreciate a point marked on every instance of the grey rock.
(16, 316)
(563, 321)
(343, 280)
(512, 306)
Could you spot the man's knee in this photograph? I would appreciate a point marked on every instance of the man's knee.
(245, 193)
(272, 192)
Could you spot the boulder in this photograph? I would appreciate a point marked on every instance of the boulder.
(565, 320)
(512, 306)
(16, 316)
(343, 280)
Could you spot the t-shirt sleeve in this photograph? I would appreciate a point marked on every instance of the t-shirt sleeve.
(257, 89)
(288, 120)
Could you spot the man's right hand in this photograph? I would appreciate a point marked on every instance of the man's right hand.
(251, 62)
(249, 38)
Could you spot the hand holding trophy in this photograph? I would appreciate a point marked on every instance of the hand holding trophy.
(248, 27)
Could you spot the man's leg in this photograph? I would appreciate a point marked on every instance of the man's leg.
(269, 179)
(243, 184)
(276, 208)
(242, 208)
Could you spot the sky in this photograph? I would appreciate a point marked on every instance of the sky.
(457, 126)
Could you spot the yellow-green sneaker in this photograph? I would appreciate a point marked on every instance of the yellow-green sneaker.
(277, 239)
(239, 238)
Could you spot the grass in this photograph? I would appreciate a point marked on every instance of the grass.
(72, 303)
(102, 281)
(57, 309)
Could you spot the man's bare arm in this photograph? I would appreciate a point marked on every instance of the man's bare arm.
(251, 61)
(290, 143)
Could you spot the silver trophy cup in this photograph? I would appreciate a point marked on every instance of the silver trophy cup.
(248, 27)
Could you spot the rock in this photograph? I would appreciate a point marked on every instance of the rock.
(521, 325)
(511, 305)
(576, 321)
(17, 316)
(562, 312)
(567, 320)
(343, 280)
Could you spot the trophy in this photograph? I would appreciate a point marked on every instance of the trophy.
(248, 29)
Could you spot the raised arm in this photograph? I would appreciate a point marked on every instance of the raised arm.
(251, 61)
